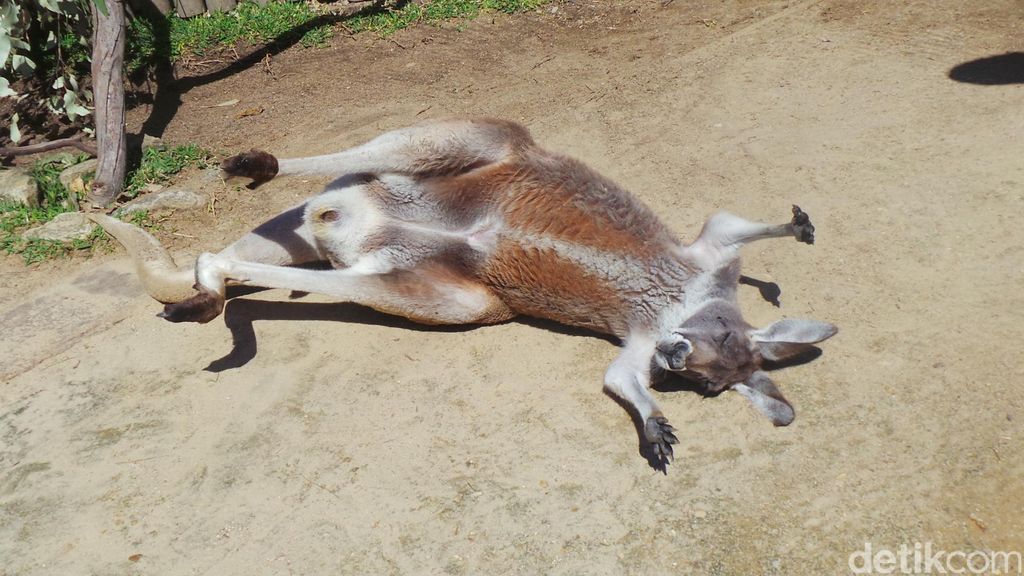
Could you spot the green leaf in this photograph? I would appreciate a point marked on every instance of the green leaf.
(5, 88)
(50, 5)
(102, 6)
(5, 49)
(15, 133)
(22, 64)
(73, 107)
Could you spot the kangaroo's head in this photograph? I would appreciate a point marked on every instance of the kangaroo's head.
(719, 350)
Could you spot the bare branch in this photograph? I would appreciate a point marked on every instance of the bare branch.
(76, 141)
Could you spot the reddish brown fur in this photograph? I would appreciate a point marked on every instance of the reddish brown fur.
(538, 283)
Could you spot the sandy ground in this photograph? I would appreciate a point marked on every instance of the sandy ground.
(325, 439)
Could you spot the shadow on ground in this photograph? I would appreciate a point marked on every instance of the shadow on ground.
(991, 71)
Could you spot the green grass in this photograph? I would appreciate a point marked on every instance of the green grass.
(175, 38)
(14, 218)
(157, 165)
(434, 11)
(160, 163)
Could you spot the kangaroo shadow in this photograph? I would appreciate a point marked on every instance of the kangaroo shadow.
(991, 71)
(166, 98)
(241, 314)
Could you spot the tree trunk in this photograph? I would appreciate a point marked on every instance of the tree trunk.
(108, 91)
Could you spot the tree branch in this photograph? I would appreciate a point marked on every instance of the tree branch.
(75, 141)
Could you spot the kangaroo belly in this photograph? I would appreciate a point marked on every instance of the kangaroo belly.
(535, 280)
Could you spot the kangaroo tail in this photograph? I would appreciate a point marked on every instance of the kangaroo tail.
(163, 279)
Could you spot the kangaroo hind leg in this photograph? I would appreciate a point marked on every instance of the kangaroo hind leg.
(436, 148)
(430, 294)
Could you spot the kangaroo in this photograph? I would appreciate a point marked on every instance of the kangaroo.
(469, 221)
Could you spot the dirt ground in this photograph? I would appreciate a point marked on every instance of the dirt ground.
(326, 439)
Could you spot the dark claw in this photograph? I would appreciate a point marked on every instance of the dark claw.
(201, 308)
(802, 227)
(659, 433)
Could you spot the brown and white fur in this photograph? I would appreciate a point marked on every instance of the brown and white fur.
(468, 221)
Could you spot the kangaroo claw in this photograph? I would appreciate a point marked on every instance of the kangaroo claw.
(661, 436)
(803, 230)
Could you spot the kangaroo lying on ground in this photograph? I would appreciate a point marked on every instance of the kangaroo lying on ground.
(469, 221)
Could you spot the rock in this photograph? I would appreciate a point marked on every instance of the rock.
(17, 186)
(151, 142)
(152, 188)
(65, 227)
(77, 171)
(170, 199)
(211, 176)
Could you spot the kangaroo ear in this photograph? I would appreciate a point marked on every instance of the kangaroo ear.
(791, 336)
(671, 353)
(766, 397)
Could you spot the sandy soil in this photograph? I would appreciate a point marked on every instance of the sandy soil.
(325, 439)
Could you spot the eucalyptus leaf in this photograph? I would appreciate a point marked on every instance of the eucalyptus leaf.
(8, 16)
(23, 64)
(5, 49)
(73, 107)
(15, 133)
(5, 88)
(101, 5)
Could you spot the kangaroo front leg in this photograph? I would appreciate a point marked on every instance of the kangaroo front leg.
(434, 148)
(431, 295)
(724, 234)
(629, 378)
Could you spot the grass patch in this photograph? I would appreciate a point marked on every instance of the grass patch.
(392, 20)
(14, 218)
(175, 38)
(158, 165)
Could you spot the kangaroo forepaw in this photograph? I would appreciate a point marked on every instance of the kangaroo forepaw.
(660, 434)
(201, 308)
(255, 164)
(803, 230)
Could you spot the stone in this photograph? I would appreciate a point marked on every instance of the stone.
(77, 171)
(169, 199)
(151, 142)
(64, 227)
(18, 187)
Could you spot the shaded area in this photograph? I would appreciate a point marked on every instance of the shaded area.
(770, 291)
(240, 315)
(991, 71)
(166, 100)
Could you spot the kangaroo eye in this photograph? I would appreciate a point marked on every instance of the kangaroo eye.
(724, 338)
(329, 216)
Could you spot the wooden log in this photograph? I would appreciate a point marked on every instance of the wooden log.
(220, 5)
(189, 8)
(108, 39)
